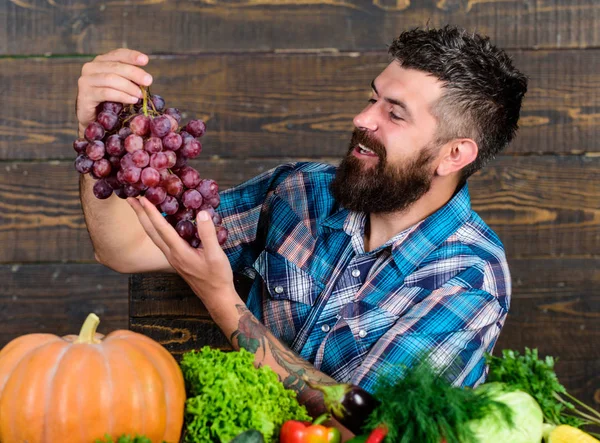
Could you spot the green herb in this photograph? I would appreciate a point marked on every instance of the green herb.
(537, 377)
(422, 406)
(227, 395)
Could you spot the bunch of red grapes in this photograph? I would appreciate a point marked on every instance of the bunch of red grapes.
(135, 150)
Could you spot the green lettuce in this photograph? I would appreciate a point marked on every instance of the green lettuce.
(227, 395)
(526, 414)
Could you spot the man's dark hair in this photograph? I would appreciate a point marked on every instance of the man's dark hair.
(482, 90)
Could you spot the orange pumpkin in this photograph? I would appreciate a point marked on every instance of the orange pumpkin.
(80, 388)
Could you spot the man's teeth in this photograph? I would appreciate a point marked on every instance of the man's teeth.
(364, 150)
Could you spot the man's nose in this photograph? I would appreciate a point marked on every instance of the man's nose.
(366, 119)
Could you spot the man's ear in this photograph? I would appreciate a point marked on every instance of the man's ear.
(458, 154)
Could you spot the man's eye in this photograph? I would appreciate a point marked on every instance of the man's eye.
(372, 100)
(395, 117)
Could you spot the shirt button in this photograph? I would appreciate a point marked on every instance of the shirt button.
(325, 328)
(362, 333)
(356, 273)
(279, 289)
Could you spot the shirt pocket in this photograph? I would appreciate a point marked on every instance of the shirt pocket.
(288, 294)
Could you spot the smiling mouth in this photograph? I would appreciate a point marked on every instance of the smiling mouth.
(365, 151)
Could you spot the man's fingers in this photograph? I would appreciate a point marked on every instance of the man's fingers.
(114, 81)
(207, 233)
(148, 226)
(124, 55)
(112, 70)
(166, 232)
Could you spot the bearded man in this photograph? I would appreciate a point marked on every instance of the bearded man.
(359, 268)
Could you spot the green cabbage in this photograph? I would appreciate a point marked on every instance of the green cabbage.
(227, 395)
(527, 417)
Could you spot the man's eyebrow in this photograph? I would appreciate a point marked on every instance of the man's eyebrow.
(393, 101)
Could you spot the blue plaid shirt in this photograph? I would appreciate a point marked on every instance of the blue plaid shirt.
(441, 286)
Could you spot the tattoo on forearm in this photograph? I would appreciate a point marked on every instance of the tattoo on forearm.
(255, 337)
(250, 333)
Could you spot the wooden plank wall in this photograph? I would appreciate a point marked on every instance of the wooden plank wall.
(280, 80)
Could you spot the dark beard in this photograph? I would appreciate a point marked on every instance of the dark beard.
(383, 188)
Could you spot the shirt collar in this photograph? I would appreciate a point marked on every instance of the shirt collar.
(419, 240)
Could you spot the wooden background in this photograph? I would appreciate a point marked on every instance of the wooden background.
(280, 80)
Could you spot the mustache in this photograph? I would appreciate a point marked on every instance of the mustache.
(367, 141)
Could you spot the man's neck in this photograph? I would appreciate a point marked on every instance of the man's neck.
(382, 227)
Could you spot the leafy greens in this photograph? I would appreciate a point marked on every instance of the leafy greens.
(422, 406)
(227, 395)
(535, 376)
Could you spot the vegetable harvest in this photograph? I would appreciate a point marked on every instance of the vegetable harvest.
(228, 395)
(537, 377)
(424, 407)
(81, 388)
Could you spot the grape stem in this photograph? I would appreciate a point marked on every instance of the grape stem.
(144, 101)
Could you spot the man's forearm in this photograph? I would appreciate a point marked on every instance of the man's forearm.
(113, 227)
(245, 331)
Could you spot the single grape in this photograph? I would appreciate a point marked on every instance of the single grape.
(185, 229)
(180, 163)
(185, 135)
(191, 199)
(189, 176)
(160, 126)
(217, 219)
(191, 148)
(215, 201)
(195, 243)
(108, 120)
(131, 174)
(156, 195)
(173, 185)
(158, 102)
(172, 141)
(159, 161)
(94, 131)
(124, 132)
(83, 164)
(95, 150)
(140, 159)
(131, 191)
(80, 144)
(170, 205)
(121, 178)
(174, 124)
(140, 186)
(184, 214)
(114, 145)
(134, 143)
(164, 173)
(208, 188)
(140, 125)
(174, 112)
(112, 181)
(102, 168)
(127, 161)
(113, 107)
(115, 162)
(102, 190)
(196, 128)
(150, 177)
(153, 145)
(120, 192)
(222, 234)
(171, 158)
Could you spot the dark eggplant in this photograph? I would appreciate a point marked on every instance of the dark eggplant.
(348, 403)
